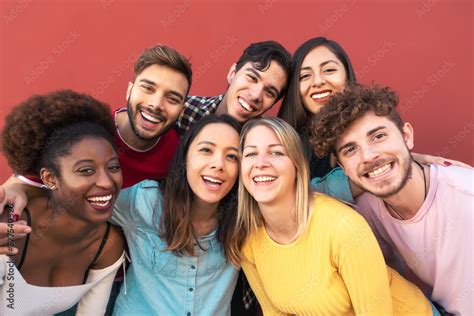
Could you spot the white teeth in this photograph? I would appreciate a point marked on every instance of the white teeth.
(263, 179)
(379, 171)
(320, 95)
(245, 105)
(212, 180)
(100, 200)
(149, 117)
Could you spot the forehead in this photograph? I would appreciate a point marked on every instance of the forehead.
(91, 147)
(358, 130)
(164, 76)
(218, 133)
(261, 135)
(319, 55)
(274, 75)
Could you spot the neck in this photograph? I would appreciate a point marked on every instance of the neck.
(124, 127)
(222, 107)
(57, 224)
(406, 203)
(203, 217)
(279, 218)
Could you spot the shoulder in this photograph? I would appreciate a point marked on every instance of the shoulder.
(455, 178)
(113, 248)
(202, 101)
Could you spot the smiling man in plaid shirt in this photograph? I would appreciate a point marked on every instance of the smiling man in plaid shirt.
(256, 82)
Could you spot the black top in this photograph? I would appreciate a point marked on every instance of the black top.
(99, 251)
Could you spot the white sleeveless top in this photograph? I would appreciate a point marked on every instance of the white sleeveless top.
(20, 298)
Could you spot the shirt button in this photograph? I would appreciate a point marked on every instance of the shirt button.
(193, 267)
(190, 289)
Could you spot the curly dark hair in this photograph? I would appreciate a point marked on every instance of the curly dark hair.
(346, 107)
(30, 124)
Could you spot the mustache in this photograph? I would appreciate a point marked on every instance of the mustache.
(375, 164)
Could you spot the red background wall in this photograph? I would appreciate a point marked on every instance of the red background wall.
(422, 49)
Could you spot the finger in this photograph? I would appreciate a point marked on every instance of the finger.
(17, 228)
(8, 250)
(450, 162)
(18, 206)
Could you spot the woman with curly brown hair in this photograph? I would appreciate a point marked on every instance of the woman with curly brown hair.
(72, 252)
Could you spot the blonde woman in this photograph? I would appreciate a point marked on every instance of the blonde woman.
(307, 253)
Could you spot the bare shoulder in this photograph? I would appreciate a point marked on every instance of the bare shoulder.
(113, 248)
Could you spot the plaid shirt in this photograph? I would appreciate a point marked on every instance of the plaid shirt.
(195, 108)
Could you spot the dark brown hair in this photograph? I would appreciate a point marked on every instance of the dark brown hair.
(164, 56)
(30, 126)
(292, 109)
(175, 224)
(345, 108)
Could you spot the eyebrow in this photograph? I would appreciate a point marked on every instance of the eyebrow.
(322, 64)
(271, 87)
(173, 92)
(372, 131)
(92, 161)
(271, 145)
(205, 142)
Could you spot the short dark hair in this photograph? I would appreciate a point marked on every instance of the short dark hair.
(30, 126)
(345, 108)
(292, 109)
(261, 55)
(164, 56)
(175, 225)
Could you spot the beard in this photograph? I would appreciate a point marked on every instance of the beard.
(132, 113)
(389, 188)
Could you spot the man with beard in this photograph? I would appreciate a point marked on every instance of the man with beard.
(146, 139)
(421, 214)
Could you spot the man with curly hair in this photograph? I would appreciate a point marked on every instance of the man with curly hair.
(421, 213)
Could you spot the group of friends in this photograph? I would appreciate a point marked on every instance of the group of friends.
(322, 210)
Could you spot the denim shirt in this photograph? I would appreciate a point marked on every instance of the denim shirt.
(159, 282)
(335, 184)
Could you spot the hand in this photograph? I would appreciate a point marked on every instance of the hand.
(9, 232)
(17, 198)
(428, 159)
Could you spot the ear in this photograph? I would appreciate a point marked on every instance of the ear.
(408, 136)
(231, 74)
(49, 179)
(129, 90)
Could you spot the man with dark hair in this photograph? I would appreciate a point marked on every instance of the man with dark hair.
(422, 214)
(256, 82)
(146, 138)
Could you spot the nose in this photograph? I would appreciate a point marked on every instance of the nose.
(262, 161)
(217, 162)
(369, 154)
(318, 80)
(256, 93)
(156, 101)
(104, 180)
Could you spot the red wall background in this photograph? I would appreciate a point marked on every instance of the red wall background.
(422, 49)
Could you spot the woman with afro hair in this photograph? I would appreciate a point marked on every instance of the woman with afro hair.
(72, 253)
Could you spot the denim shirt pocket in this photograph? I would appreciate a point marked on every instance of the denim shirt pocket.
(165, 262)
(213, 259)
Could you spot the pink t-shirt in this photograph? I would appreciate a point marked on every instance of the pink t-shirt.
(437, 244)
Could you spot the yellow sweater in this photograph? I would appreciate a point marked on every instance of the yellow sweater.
(334, 268)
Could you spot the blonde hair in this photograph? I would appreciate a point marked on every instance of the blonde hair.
(249, 217)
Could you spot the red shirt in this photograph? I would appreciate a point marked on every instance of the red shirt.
(151, 164)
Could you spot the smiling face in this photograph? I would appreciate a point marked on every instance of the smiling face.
(212, 163)
(155, 101)
(90, 180)
(252, 92)
(267, 172)
(375, 155)
(322, 75)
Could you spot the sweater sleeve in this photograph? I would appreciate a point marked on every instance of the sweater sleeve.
(360, 263)
(250, 270)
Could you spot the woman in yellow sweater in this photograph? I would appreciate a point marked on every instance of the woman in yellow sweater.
(307, 253)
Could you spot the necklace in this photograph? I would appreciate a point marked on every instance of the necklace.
(424, 187)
